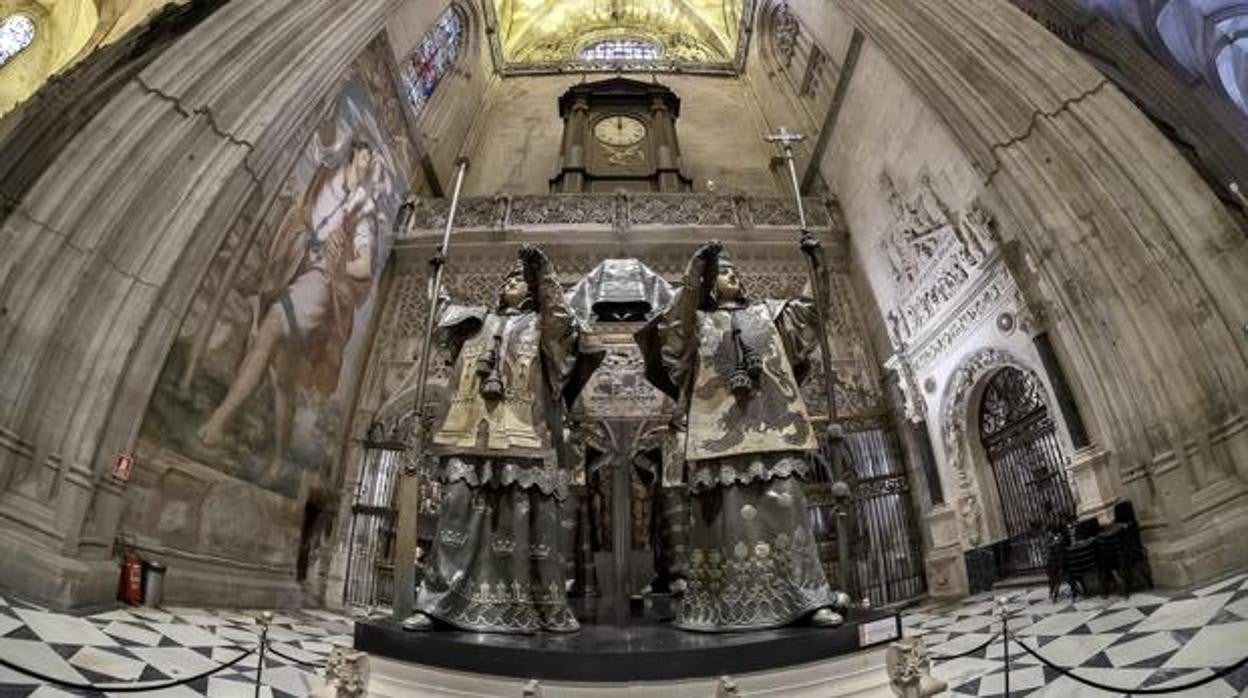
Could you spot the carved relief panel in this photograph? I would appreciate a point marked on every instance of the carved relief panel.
(933, 255)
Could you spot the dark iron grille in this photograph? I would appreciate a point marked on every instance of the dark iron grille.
(370, 570)
(1021, 442)
(888, 553)
(886, 548)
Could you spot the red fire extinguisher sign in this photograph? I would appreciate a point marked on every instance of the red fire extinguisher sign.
(122, 467)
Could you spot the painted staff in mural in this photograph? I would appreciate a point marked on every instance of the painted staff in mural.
(498, 564)
(735, 366)
(318, 269)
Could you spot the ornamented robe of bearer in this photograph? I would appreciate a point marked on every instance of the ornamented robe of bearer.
(498, 565)
(753, 562)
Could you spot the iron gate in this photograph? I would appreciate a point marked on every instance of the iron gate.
(370, 564)
(886, 549)
(1020, 439)
(889, 555)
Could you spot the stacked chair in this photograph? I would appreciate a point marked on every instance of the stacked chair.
(1114, 554)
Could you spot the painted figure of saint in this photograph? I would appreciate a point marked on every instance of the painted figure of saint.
(498, 564)
(734, 366)
(317, 271)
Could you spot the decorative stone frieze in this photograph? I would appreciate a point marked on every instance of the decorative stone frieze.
(621, 211)
(932, 255)
(785, 29)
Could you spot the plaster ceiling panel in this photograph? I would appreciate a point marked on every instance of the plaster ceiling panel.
(552, 31)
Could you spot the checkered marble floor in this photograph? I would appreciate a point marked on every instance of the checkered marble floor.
(149, 645)
(1150, 639)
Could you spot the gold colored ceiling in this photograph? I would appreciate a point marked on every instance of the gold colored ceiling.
(549, 31)
(66, 31)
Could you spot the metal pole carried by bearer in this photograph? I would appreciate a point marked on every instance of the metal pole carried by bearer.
(409, 485)
(835, 432)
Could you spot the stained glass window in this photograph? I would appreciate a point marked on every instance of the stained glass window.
(620, 50)
(433, 58)
(16, 33)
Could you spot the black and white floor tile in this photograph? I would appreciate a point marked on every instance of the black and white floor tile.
(1149, 639)
(157, 646)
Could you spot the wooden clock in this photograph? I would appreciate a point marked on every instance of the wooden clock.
(619, 134)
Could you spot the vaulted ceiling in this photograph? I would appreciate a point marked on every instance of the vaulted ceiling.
(1207, 38)
(547, 31)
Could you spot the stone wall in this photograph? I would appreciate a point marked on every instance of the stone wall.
(720, 129)
(445, 127)
(1110, 240)
(105, 252)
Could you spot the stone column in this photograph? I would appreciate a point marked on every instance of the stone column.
(574, 146)
(1140, 270)
(106, 249)
(667, 156)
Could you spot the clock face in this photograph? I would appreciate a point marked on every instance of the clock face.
(620, 131)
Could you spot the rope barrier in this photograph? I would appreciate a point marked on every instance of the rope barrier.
(973, 650)
(122, 688)
(314, 665)
(1135, 691)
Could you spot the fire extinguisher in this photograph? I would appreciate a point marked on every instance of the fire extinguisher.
(130, 588)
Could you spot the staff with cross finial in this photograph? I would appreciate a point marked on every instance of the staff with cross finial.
(835, 432)
(409, 486)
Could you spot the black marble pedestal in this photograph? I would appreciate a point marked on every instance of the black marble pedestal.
(648, 649)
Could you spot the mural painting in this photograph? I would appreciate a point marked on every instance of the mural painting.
(260, 381)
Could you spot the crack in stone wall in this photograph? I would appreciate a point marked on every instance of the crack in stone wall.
(1035, 122)
(16, 207)
(206, 112)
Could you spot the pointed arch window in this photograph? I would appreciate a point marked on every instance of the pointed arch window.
(17, 33)
(433, 59)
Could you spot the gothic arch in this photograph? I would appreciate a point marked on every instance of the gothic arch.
(790, 54)
(460, 17)
(976, 502)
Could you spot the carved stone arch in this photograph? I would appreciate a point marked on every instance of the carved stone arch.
(973, 494)
(781, 30)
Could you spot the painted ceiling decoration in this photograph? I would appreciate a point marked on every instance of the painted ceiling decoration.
(1206, 38)
(542, 35)
(39, 38)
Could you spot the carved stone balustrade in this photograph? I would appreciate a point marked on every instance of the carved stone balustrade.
(624, 211)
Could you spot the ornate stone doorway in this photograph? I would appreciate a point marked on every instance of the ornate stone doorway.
(1025, 456)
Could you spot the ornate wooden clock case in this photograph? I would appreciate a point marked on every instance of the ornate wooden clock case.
(619, 134)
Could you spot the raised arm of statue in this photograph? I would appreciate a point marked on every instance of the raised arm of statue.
(669, 342)
(568, 364)
(557, 324)
(696, 285)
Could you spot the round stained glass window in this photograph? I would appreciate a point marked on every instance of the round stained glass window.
(620, 50)
(17, 32)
